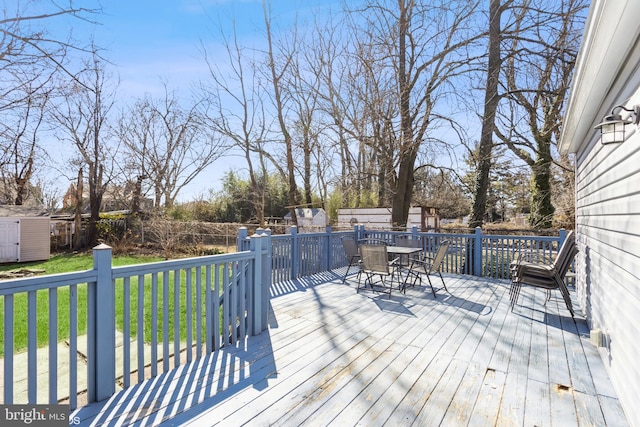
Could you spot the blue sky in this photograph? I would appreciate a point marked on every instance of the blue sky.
(151, 41)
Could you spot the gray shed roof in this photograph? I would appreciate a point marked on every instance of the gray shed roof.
(12, 211)
(305, 213)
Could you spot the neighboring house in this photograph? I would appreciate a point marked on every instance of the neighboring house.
(607, 74)
(24, 234)
(308, 217)
(424, 218)
(114, 199)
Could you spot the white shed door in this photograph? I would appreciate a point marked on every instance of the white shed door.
(9, 241)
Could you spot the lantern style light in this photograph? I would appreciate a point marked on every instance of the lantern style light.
(612, 128)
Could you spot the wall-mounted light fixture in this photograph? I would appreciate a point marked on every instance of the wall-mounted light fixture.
(613, 126)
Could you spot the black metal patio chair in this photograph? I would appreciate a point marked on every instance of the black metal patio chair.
(425, 265)
(353, 256)
(378, 270)
(547, 276)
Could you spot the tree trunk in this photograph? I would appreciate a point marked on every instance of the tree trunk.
(77, 236)
(307, 171)
(95, 200)
(279, 105)
(542, 208)
(404, 189)
(491, 101)
(401, 199)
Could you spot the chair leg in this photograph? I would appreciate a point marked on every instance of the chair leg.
(566, 296)
(432, 289)
(346, 274)
(443, 284)
(370, 280)
(512, 295)
(366, 280)
(515, 293)
(416, 277)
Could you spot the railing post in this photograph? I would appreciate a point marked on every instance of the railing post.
(414, 232)
(477, 252)
(294, 252)
(329, 253)
(562, 234)
(101, 330)
(260, 245)
(242, 236)
(267, 270)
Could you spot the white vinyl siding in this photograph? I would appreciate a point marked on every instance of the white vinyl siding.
(35, 239)
(607, 74)
(608, 265)
(24, 239)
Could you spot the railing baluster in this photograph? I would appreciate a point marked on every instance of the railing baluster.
(140, 328)
(189, 319)
(165, 321)
(209, 312)
(216, 293)
(32, 358)
(242, 295)
(199, 311)
(53, 344)
(8, 349)
(228, 306)
(154, 324)
(126, 331)
(73, 346)
(90, 340)
(176, 318)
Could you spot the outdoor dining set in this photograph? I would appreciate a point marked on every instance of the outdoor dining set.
(386, 265)
(404, 263)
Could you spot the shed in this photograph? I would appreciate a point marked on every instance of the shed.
(308, 217)
(607, 75)
(423, 217)
(24, 234)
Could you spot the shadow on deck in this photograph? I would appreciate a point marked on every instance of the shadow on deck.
(334, 356)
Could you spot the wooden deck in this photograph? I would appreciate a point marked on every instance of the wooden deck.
(332, 356)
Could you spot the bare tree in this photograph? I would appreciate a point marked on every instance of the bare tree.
(491, 101)
(47, 193)
(77, 217)
(331, 61)
(236, 99)
(542, 51)
(28, 52)
(423, 47)
(303, 87)
(30, 58)
(19, 139)
(167, 144)
(83, 118)
(277, 69)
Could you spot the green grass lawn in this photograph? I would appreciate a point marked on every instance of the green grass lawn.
(66, 263)
(149, 309)
(70, 263)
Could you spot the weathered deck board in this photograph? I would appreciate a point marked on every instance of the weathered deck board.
(332, 356)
